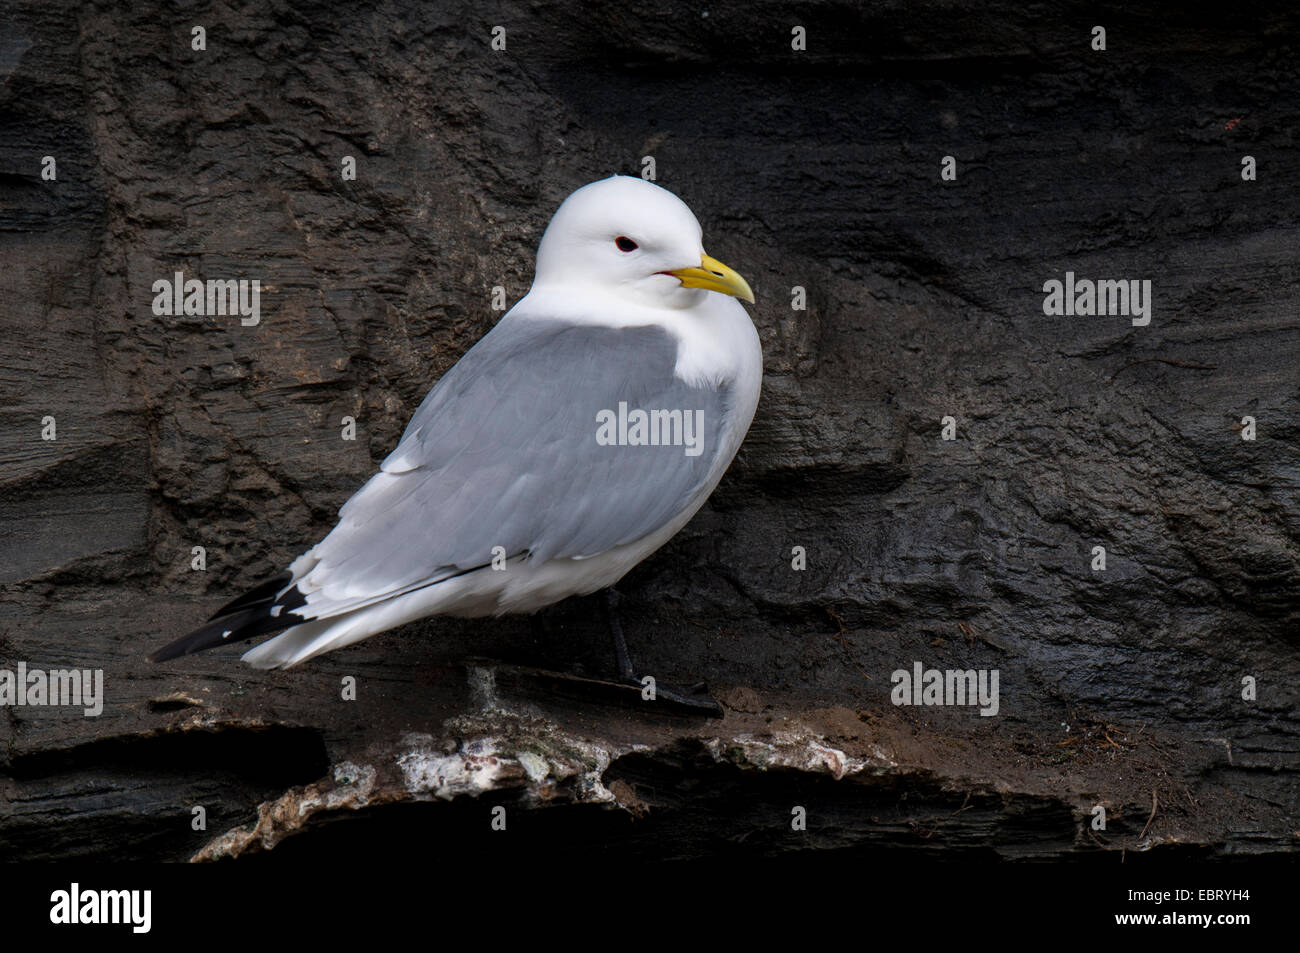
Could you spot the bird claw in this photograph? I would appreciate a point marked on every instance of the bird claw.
(693, 699)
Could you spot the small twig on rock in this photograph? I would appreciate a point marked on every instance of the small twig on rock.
(1151, 818)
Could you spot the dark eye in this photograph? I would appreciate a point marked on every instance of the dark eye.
(625, 244)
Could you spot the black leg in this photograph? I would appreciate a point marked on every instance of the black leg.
(627, 673)
(622, 659)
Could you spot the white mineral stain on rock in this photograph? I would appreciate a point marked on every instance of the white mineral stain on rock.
(792, 749)
(354, 786)
(482, 682)
(473, 769)
(536, 766)
(496, 750)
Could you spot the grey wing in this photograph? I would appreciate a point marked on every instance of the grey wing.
(508, 450)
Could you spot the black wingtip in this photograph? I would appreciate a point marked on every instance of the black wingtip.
(164, 654)
(266, 592)
(228, 628)
(254, 619)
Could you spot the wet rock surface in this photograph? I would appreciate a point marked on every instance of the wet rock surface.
(1121, 687)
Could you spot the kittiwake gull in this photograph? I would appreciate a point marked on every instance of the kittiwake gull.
(571, 442)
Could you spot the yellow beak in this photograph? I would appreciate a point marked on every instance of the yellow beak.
(713, 275)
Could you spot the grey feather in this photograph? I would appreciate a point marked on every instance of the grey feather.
(503, 452)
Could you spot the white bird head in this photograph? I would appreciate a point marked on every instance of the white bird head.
(630, 237)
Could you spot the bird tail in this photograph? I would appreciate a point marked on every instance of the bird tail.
(263, 609)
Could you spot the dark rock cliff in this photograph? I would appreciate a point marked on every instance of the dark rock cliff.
(820, 168)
